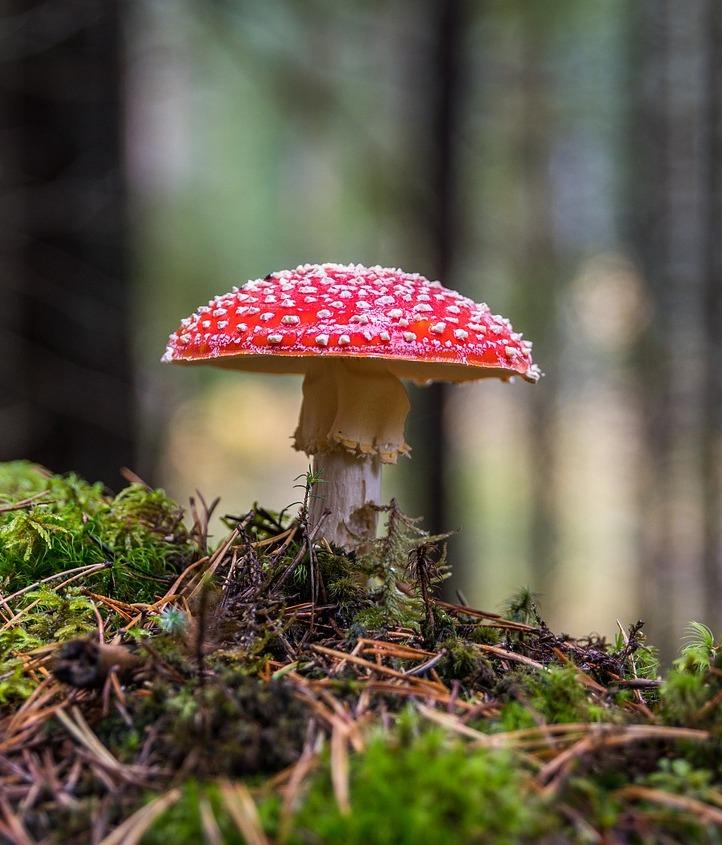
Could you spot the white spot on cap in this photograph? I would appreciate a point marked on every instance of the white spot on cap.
(322, 339)
(206, 324)
(395, 313)
(423, 307)
(409, 337)
(438, 328)
(511, 351)
(267, 316)
(363, 306)
(477, 327)
(362, 319)
(344, 340)
(385, 336)
(460, 334)
(241, 327)
(222, 324)
(454, 309)
(290, 320)
(323, 314)
(275, 339)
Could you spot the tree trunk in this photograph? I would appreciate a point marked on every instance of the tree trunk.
(437, 231)
(673, 197)
(67, 398)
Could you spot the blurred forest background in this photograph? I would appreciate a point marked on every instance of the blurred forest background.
(558, 159)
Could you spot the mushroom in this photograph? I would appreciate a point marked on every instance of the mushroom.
(354, 333)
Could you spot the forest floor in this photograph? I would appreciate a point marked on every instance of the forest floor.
(270, 689)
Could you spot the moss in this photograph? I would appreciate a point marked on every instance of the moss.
(484, 634)
(72, 523)
(683, 695)
(232, 725)
(428, 789)
(182, 823)
(48, 617)
(231, 680)
(559, 696)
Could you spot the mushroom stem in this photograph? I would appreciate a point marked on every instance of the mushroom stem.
(352, 421)
(348, 485)
(354, 406)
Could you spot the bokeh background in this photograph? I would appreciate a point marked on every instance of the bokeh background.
(559, 159)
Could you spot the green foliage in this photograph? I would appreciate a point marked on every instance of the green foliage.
(230, 683)
(15, 685)
(683, 694)
(690, 684)
(680, 777)
(392, 562)
(426, 789)
(71, 523)
(182, 823)
(172, 620)
(431, 789)
(559, 697)
(699, 650)
(231, 724)
(48, 617)
(57, 616)
(523, 607)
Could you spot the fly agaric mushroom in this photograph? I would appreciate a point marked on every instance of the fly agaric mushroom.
(354, 333)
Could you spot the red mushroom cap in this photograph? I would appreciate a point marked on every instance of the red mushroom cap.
(280, 323)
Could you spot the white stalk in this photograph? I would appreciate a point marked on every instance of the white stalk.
(352, 421)
(341, 500)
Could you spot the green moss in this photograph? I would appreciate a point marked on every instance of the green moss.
(72, 523)
(232, 725)
(230, 682)
(680, 777)
(683, 695)
(49, 617)
(182, 823)
(429, 789)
